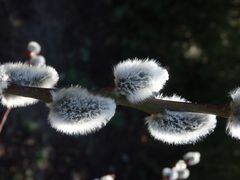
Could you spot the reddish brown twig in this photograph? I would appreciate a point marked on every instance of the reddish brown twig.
(4, 119)
(151, 106)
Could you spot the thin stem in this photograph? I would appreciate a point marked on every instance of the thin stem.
(151, 106)
(4, 119)
(43, 94)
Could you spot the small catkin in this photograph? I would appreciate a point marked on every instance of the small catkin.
(233, 124)
(38, 61)
(181, 168)
(108, 177)
(192, 158)
(181, 165)
(34, 48)
(183, 174)
(139, 79)
(169, 174)
(175, 127)
(23, 74)
(76, 111)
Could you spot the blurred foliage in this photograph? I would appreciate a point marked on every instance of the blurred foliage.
(197, 41)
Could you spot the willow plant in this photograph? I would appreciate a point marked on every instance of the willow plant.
(138, 84)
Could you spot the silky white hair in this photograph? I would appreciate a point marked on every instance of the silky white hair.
(192, 158)
(233, 124)
(107, 177)
(175, 127)
(183, 174)
(181, 168)
(170, 173)
(76, 111)
(38, 60)
(34, 48)
(27, 75)
(180, 165)
(3, 81)
(138, 79)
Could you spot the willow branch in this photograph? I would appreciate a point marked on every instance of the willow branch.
(151, 106)
(42, 94)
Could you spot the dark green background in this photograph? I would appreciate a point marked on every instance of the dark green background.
(83, 39)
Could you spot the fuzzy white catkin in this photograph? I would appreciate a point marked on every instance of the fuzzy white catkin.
(180, 165)
(107, 177)
(175, 127)
(183, 174)
(138, 79)
(181, 168)
(233, 124)
(38, 61)
(34, 48)
(170, 174)
(192, 158)
(23, 74)
(76, 111)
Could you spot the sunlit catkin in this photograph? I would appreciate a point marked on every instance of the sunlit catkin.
(76, 111)
(233, 124)
(138, 79)
(175, 127)
(26, 75)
